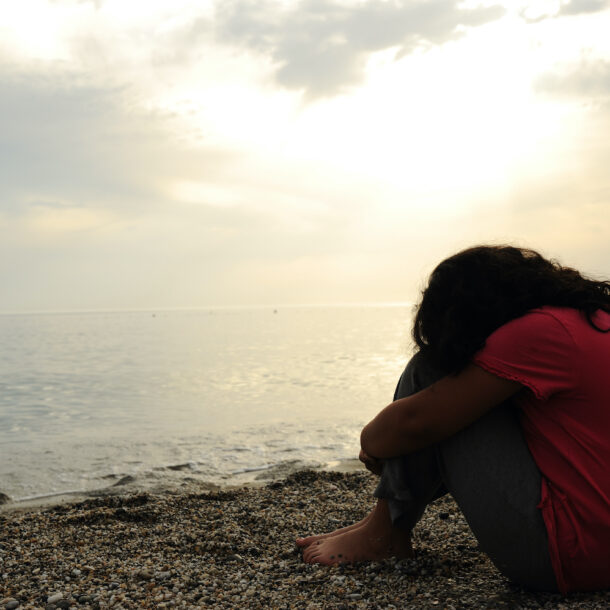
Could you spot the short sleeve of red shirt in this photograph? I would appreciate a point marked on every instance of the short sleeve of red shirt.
(536, 350)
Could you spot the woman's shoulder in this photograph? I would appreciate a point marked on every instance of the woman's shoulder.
(560, 314)
(561, 333)
(539, 349)
(540, 321)
(573, 321)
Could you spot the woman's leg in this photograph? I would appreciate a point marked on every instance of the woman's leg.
(375, 536)
(410, 483)
(494, 480)
(487, 468)
(409, 379)
(492, 476)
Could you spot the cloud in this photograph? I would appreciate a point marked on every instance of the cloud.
(570, 8)
(321, 46)
(85, 214)
(104, 204)
(587, 79)
(71, 143)
(580, 7)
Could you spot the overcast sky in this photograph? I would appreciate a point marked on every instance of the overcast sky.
(177, 153)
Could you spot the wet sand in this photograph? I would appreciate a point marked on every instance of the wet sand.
(234, 548)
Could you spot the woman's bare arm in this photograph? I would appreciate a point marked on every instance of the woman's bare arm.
(435, 413)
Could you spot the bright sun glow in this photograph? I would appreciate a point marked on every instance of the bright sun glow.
(460, 115)
(205, 139)
(35, 38)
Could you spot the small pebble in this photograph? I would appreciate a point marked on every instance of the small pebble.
(53, 599)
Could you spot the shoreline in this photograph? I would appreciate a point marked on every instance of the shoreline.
(232, 548)
(129, 485)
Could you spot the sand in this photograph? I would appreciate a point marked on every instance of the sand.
(234, 548)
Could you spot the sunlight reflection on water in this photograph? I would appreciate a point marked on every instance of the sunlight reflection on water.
(91, 394)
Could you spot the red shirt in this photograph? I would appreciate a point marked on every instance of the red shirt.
(565, 364)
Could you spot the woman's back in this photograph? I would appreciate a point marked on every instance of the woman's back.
(565, 364)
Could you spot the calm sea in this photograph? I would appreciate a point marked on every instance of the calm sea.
(206, 395)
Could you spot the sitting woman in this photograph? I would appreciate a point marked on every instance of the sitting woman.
(507, 407)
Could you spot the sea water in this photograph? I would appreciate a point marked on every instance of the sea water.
(201, 395)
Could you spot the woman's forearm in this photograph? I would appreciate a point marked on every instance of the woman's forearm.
(435, 413)
(392, 432)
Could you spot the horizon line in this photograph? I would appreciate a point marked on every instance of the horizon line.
(205, 308)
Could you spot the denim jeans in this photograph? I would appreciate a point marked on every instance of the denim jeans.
(489, 471)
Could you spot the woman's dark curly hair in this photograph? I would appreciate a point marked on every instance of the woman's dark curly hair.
(474, 292)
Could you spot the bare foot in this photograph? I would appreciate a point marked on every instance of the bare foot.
(303, 542)
(373, 539)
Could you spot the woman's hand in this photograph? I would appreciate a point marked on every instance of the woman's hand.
(372, 464)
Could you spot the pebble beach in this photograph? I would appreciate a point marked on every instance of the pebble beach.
(234, 548)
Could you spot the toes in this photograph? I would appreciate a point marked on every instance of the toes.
(312, 558)
(303, 541)
(311, 553)
(315, 554)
